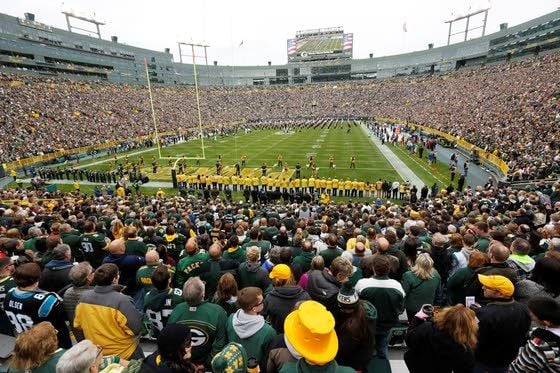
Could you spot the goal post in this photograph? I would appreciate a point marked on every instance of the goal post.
(157, 137)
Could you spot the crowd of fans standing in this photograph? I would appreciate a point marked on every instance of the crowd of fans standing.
(510, 109)
(211, 279)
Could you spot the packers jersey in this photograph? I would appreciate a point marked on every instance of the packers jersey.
(175, 244)
(93, 246)
(6, 284)
(158, 305)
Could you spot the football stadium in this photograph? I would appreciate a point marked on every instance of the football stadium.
(163, 212)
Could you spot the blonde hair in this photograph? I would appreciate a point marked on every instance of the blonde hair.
(253, 254)
(34, 346)
(460, 323)
(423, 267)
(117, 228)
(318, 263)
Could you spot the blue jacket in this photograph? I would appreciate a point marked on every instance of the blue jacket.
(128, 265)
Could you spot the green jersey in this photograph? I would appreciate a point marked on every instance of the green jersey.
(133, 246)
(189, 266)
(144, 276)
(93, 247)
(175, 245)
(208, 327)
(158, 305)
(73, 240)
(6, 283)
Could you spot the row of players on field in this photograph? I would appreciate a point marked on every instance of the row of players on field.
(333, 187)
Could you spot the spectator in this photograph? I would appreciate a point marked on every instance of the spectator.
(539, 353)
(543, 281)
(232, 358)
(310, 331)
(189, 265)
(248, 328)
(55, 276)
(108, 318)
(204, 319)
(128, 266)
(503, 325)
(212, 270)
(420, 284)
(27, 305)
(144, 273)
(317, 264)
(226, 294)
(306, 256)
(387, 296)
(457, 283)
(444, 343)
(173, 354)
(283, 297)
(323, 286)
(84, 356)
(498, 254)
(355, 327)
(36, 350)
(251, 273)
(520, 259)
(81, 276)
(460, 259)
(161, 300)
(332, 251)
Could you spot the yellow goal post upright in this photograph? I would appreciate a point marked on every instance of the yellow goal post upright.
(154, 117)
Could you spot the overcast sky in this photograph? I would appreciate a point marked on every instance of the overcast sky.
(264, 26)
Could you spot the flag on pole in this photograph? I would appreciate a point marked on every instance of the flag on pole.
(404, 27)
(240, 44)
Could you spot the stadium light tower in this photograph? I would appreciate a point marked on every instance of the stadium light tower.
(70, 14)
(467, 29)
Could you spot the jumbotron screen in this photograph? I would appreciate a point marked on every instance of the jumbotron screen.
(320, 44)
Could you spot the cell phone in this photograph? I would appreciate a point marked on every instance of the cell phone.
(469, 301)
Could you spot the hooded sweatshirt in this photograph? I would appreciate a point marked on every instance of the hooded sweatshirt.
(524, 264)
(252, 332)
(55, 275)
(280, 302)
(252, 274)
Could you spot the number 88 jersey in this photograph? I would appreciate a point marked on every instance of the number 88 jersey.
(28, 308)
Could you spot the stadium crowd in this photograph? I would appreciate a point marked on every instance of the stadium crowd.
(491, 107)
(307, 286)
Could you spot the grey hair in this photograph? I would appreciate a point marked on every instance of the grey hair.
(193, 291)
(34, 232)
(60, 251)
(79, 273)
(78, 359)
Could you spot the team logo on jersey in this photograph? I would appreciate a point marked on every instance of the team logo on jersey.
(198, 337)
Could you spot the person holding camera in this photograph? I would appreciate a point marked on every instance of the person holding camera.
(441, 342)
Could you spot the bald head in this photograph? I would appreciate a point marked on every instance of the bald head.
(192, 246)
(116, 247)
(152, 257)
(215, 251)
(382, 244)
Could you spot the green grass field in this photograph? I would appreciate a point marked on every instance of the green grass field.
(266, 145)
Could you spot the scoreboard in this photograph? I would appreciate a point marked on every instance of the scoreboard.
(320, 44)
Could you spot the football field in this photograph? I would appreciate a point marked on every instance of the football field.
(265, 146)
